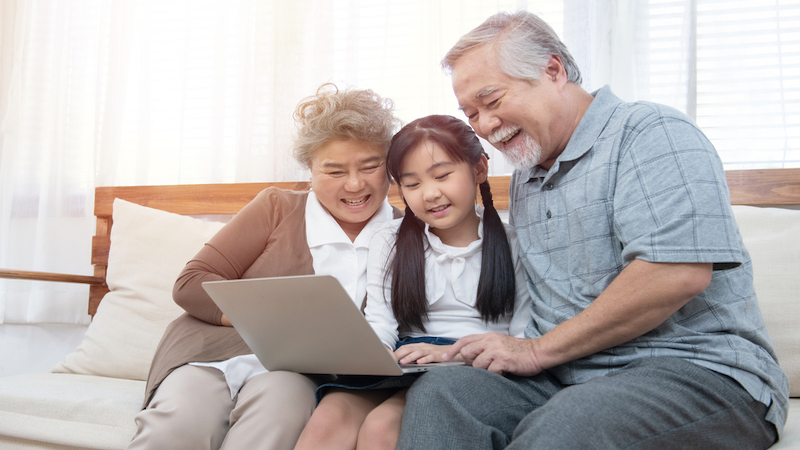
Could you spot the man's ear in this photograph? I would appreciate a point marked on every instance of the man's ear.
(555, 70)
(482, 169)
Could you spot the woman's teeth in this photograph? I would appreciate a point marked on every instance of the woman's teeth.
(357, 202)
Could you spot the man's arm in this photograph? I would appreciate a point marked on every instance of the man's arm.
(642, 297)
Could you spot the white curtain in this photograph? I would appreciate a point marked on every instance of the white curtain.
(731, 65)
(122, 92)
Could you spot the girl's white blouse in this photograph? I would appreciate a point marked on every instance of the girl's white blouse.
(451, 284)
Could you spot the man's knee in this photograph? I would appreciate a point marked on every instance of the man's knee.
(446, 382)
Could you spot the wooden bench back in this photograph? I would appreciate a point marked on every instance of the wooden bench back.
(748, 187)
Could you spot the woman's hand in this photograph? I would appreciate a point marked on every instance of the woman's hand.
(422, 353)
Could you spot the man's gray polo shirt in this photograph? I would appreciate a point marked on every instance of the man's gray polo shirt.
(640, 180)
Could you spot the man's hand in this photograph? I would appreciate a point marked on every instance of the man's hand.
(497, 353)
(420, 353)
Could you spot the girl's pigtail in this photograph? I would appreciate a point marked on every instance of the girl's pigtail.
(409, 303)
(497, 283)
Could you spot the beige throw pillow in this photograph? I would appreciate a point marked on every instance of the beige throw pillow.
(771, 237)
(149, 247)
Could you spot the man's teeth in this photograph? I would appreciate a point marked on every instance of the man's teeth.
(507, 136)
(357, 202)
(510, 136)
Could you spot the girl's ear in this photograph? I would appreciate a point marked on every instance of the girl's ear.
(482, 170)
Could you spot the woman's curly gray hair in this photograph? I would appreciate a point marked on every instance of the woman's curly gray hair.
(333, 114)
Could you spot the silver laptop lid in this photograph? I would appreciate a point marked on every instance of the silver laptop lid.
(305, 324)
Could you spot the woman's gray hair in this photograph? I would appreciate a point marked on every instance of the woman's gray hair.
(523, 44)
(332, 114)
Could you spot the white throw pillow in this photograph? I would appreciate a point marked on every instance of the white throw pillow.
(149, 248)
(772, 236)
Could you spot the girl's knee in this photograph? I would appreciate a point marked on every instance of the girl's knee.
(378, 433)
(381, 427)
(336, 419)
(324, 426)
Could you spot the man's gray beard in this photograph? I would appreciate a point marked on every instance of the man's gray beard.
(525, 155)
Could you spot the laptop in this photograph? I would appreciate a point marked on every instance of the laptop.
(306, 324)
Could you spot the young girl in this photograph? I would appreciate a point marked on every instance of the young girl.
(444, 271)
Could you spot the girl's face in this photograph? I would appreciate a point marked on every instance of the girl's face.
(442, 192)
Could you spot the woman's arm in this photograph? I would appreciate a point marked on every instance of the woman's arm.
(225, 257)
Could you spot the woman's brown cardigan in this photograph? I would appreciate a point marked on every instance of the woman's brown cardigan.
(267, 238)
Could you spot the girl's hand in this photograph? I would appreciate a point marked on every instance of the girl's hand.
(422, 353)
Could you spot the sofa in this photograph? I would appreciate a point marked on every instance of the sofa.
(89, 400)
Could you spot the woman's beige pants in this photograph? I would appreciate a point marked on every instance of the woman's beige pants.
(193, 410)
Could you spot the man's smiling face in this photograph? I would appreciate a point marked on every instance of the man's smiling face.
(516, 116)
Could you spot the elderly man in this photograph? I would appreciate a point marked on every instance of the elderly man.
(645, 330)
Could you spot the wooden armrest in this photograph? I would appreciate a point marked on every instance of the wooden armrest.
(47, 276)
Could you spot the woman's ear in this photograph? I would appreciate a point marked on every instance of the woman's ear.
(482, 169)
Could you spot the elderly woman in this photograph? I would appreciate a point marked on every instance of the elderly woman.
(206, 390)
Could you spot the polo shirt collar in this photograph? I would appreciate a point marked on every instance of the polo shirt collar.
(586, 133)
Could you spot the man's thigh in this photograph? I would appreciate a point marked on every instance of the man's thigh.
(468, 408)
(659, 403)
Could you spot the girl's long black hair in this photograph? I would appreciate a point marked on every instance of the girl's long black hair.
(496, 285)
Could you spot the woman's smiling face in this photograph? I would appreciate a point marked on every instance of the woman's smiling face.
(349, 180)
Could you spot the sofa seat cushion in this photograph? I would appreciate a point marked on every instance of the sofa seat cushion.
(790, 440)
(771, 237)
(48, 410)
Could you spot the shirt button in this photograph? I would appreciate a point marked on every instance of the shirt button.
(350, 254)
(549, 214)
(549, 186)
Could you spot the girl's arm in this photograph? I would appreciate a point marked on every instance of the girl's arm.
(379, 309)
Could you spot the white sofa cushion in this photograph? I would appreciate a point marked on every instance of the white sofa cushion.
(48, 410)
(772, 236)
(149, 247)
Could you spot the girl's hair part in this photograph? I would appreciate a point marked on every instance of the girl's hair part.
(497, 284)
